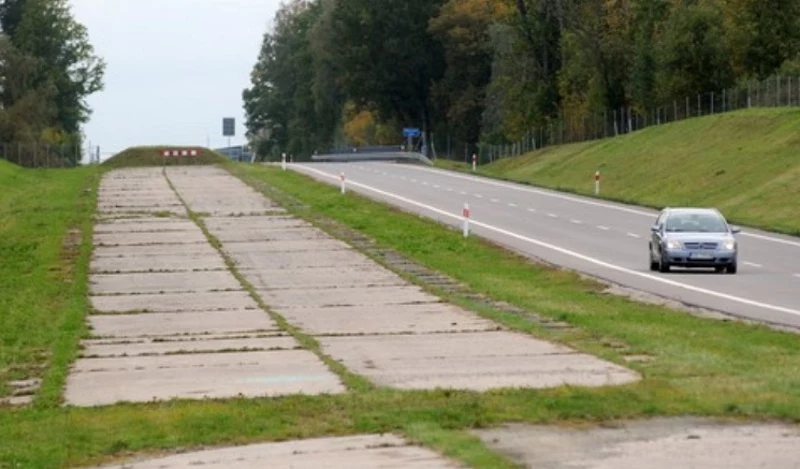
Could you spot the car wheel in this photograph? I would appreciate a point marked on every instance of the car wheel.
(653, 264)
(732, 268)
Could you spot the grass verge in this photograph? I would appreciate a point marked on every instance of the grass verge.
(744, 163)
(45, 241)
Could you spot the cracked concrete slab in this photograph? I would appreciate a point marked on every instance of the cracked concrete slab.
(288, 298)
(386, 319)
(304, 259)
(170, 324)
(651, 444)
(106, 381)
(352, 452)
(287, 234)
(277, 222)
(104, 348)
(109, 284)
(477, 361)
(149, 225)
(167, 263)
(321, 246)
(154, 250)
(173, 302)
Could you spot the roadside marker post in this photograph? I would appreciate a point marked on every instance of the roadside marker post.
(342, 178)
(283, 161)
(465, 214)
(474, 162)
(597, 183)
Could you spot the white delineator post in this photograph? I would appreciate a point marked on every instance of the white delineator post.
(283, 161)
(597, 183)
(465, 214)
(474, 163)
(342, 178)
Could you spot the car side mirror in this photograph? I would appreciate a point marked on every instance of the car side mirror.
(655, 228)
(736, 230)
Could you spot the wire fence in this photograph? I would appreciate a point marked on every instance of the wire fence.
(778, 91)
(40, 155)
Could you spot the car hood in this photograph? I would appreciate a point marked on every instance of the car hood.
(699, 237)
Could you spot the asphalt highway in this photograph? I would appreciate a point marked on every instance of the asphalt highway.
(603, 239)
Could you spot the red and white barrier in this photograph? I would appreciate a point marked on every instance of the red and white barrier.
(597, 183)
(466, 214)
(180, 152)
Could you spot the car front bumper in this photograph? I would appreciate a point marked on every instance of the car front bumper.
(700, 258)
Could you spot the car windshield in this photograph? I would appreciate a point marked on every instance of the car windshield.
(696, 223)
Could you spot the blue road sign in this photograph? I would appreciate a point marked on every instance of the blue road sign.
(411, 132)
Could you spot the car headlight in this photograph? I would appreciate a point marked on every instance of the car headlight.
(673, 245)
(729, 245)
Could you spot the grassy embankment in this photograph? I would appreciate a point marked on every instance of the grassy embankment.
(693, 366)
(745, 163)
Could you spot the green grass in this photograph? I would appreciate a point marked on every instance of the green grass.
(45, 237)
(744, 163)
(698, 366)
(152, 156)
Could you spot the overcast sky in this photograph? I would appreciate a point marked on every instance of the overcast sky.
(175, 68)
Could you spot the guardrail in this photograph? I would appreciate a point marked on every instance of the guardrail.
(398, 157)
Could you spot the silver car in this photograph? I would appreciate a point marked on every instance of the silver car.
(693, 237)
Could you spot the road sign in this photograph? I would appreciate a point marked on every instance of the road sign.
(228, 127)
(411, 132)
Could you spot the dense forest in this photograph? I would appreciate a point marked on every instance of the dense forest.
(355, 72)
(47, 69)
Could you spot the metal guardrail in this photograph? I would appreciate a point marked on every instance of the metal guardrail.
(398, 157)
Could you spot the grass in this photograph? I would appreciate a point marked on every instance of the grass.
(697, 367)
(152, 156)
(45, 238)
(744, 163)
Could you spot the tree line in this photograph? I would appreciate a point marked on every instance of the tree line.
(350, 72)
(47, 70)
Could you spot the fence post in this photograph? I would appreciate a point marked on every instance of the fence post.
(789, 89)
(777, 91)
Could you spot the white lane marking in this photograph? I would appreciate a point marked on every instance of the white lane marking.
(634, 235)
(532, 210)
(449, 189)
(462, 193)
(751, 264)
(424, 183)
(512, 205)
(436, 186)
(478, 196)
(413, 180)
(576, 222)
(604, 228)
(565, 251)
(797, 275)
(403, 178)
(495, 201)
(552, 215)
(580, 200)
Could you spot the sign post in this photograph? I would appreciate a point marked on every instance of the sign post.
(283, 161)
(474, 162)
(229, 128)
(342, 178)
(465, 214)
(597, 183)
(411, 133)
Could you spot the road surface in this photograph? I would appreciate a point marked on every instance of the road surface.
(604, 239)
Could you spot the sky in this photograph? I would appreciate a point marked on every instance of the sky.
(174, 68)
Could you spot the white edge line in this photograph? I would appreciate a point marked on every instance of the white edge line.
(751, 264)
(567, 252)
(582, 200)
(634, 235)
(604, 228)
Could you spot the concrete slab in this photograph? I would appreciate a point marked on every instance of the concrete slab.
(386, 319)
(142, 347)
(164, 237)
(109, 284)
(317, 245)
(652, 444)
(143, 225)
(323, 277)
(275, 222)
(288, 234)
(326, 297)
(168, 324)
(170, 263)
(173, 302)
(307, 259)
(154, 250)
(354, 452)
(473, 361)
(106, 381)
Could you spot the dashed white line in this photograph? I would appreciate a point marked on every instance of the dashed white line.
(532, 210)
(634, 235)
(573, 254)
(449, 189)
(495, 201)
(478, 196)
(512, 205)
(462, 192)
(604, 228)
(797, 275)
(413, 180)
(576, 222)
(552, 215)
(436, 186)
(752, 264)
